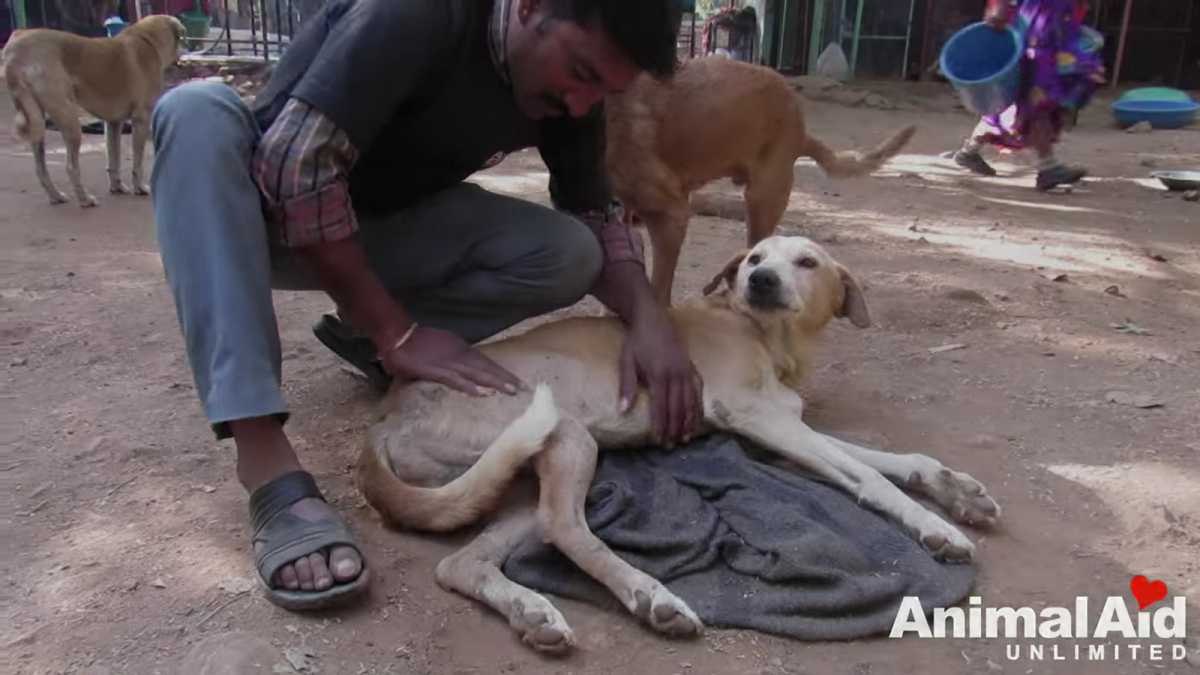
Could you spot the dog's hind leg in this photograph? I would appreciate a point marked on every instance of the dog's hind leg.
(474, 571)
(565, 470)
(112, 144)
(66, 117)
(141, 132)
(39, 160)
(963, 497)
(31, 127)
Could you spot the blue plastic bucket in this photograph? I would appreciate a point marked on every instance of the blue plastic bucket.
(984, 65)
(114, 25)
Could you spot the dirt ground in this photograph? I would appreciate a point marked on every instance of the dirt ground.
(1071, 391)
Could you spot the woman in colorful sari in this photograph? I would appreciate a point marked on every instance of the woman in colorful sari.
(1062, 67)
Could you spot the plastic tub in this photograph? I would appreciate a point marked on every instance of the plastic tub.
(983, 64)
(1161, 114)
(1155, 94)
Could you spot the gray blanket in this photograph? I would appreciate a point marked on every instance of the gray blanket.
(747, 545)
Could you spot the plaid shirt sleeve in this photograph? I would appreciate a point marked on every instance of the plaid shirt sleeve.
(300, 167)
(617, 238)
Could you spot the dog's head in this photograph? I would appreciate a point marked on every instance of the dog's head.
(794, 280)
(165, 32)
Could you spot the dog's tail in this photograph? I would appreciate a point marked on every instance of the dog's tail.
(460, 501)
(30, 121)
(854, 164)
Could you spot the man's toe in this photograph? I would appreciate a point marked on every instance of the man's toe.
(320, 571)
(304, 573)
(345, 563)
(287, 578)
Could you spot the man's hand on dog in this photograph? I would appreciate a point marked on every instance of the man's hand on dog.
(443, 356)
(653, 355)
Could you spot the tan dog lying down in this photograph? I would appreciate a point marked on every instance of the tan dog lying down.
(716, 118)
(752, 344)
(56, 73)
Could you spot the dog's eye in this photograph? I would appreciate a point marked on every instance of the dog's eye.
(754, 259)
(806, 262)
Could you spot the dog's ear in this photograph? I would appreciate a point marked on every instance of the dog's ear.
(727, 273)
(854, 302)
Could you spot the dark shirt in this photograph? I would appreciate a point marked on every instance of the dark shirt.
(378, 103)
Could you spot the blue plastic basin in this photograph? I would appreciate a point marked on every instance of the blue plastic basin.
(1161, 114)
(983, 64)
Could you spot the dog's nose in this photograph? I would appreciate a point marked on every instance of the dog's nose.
(763, 280)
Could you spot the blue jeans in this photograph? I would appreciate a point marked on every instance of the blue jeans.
(464, 259)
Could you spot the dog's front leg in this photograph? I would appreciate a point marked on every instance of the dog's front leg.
(112, 144)
(779, 429)
(667, 231)
(963, 497)
(565, 469)
(141, 132)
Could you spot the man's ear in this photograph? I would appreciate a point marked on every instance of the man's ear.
(854, 302)
(728, 273)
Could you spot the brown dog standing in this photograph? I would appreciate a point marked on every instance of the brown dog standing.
(56, 73)
(715, 118)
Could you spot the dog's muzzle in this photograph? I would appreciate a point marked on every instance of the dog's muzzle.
(763, 289)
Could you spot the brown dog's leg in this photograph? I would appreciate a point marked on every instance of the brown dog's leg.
(141, 132)
(565, 470)
(112, 144)
(474, 571)
(66, 118)
(767, 195)
(39, 161)
(667, 230)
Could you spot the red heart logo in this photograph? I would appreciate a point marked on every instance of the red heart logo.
(1147, 592)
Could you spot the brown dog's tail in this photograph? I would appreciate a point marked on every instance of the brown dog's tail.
(854, 164)
(29, 120)
(460, 501)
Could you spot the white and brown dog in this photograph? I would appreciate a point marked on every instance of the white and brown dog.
(54, 73)
(439, 459)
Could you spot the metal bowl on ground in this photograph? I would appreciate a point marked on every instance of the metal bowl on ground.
(1179, 180)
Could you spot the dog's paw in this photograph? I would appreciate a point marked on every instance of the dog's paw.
(665, 612)
(964, 498)
(944, 541)
(87, 201)
(541, 625)
(118, 189)
(141, 190)
(57, 198)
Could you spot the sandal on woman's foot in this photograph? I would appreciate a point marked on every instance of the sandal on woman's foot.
(286, 537)
(1059, 175)
(974, 162)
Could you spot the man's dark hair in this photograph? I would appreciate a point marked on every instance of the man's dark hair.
(644, 30)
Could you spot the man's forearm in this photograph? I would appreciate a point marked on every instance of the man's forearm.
(624, 288)
(342, 269)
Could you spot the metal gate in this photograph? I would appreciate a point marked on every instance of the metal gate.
(873, 34)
